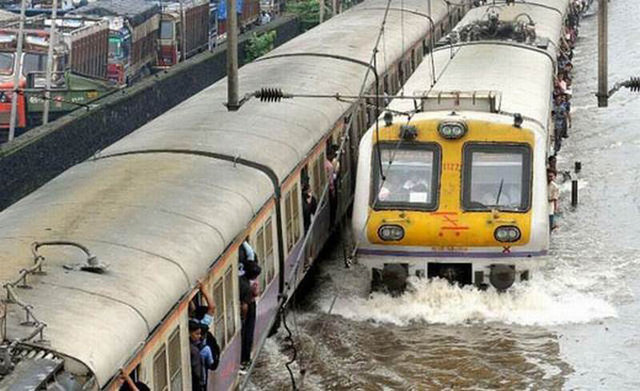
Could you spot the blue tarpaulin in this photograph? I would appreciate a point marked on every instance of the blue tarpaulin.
(222, 8)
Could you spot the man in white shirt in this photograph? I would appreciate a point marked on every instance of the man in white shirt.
(553, 193)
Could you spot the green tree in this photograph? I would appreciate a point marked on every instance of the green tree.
(259, 45)
(308, 12)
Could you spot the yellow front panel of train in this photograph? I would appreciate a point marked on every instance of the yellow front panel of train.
(446, 224)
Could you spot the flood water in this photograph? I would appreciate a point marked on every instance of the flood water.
(574, 326)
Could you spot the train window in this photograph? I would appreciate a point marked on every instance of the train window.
(318, 175)
(496, 176)
(229, 306)
(268, 249)
(218, 297)
(175, 359)
(292, 216)
(411, 176)
(413, 59)
(295, 206)
(160, 370)
(400, 74)
(259, 247)
(288, 221)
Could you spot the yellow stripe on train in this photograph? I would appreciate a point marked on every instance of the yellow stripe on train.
(448, 225)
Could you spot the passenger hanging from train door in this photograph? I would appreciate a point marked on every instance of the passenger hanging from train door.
(332, 169)
(552, 162)
(309, 205)
(130, 385)
(197, 367)
(248, 272)
(209, 353)
(560, 120)
(204, 316)
(553, 193)
(203, 313)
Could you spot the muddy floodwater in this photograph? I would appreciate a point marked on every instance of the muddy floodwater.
(574, 326)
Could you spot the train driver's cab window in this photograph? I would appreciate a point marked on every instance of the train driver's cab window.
(411, 176)
(496, 177)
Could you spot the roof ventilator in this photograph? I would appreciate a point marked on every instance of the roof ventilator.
(92, 264)
(521, 29)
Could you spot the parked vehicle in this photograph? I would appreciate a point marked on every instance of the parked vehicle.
(80, 53)
(194, 16)
(133, 35)
(248, 15)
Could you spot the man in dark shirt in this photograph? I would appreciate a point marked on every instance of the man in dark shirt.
(195, 336)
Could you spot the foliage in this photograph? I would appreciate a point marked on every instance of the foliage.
(308, 12)
(259, 45)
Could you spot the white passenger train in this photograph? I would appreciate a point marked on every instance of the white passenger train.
(100, 264)
(463, 190)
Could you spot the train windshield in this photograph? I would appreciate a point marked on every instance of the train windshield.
(496, 177)
(6, 63)
(411, 176)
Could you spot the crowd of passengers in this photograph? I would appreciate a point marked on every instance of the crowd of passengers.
(562, 100)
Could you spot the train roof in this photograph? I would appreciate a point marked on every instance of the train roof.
(523, 77)
(160, 210)
(548, 16)
(158, 220)
(280, 135)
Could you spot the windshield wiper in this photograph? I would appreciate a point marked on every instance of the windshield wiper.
(499, 192)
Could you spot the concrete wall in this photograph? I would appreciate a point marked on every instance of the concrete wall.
(36, 157)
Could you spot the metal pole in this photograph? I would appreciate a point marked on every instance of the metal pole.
(321, 11)
(183, 32)
(334, 5)
(232, 56)
(52, 40)
(17, 72)
(603, 88)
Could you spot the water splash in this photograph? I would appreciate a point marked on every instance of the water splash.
(538, 302)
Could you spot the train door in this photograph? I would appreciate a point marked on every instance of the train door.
(344, 177)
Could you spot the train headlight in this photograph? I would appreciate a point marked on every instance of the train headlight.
(391, 232)
(507, 234)
(452, 130)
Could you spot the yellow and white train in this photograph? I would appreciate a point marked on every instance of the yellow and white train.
(453, 183)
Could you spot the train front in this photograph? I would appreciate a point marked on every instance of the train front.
(455, 195)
